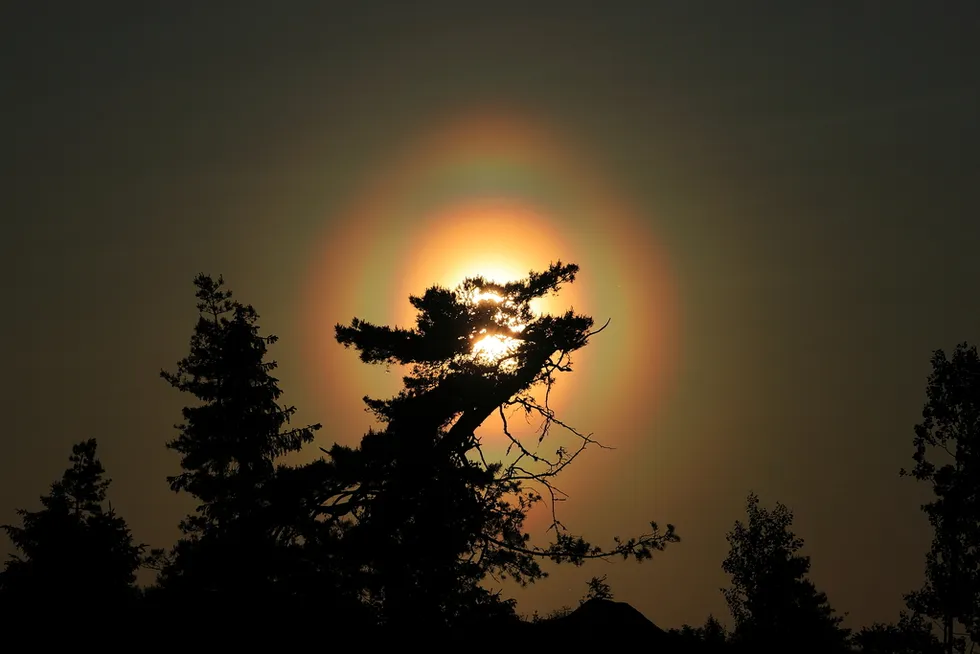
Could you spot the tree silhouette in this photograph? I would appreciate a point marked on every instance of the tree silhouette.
(771, 599)
(242, 540)
(710, 637)
(598, 589)
(713, 634)
(912, 635)
(950, 430)
(74, 551)
(425, 516)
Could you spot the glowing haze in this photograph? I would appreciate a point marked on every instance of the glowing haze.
(810, 169)
(496, 196)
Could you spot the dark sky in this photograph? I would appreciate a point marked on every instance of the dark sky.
(810, 169)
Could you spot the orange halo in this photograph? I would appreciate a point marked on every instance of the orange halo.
(499, 239)
(396, 241)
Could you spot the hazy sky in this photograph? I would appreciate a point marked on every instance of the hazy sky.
(804, 175)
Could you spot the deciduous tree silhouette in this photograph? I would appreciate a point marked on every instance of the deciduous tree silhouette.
(947, 456)
(426, 514)
(75, 551)
(912, 635)
(772, 601)
(242, 540)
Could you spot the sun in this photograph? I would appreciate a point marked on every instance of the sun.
(496, 349)
(497, 239)
(479, 295)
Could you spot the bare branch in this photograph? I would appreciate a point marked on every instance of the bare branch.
(593, 333)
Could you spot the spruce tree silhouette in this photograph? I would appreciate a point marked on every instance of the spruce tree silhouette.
(427, 517)
(947, 456)
(75, 552)
(773, 603)
(242, 542)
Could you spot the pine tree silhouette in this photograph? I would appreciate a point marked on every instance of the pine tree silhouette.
(426, 515)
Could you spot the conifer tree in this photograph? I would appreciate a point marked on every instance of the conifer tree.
(76, 550)
(241, 541)
(428, 516)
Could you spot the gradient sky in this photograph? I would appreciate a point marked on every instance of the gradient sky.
(804, 175)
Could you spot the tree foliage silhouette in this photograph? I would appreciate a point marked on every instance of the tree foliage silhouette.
(912, 635)
(770, 598)
(240, 540)
(598, 589)
(74, 550)
(947, 456)
(710, 637)
(425, 512)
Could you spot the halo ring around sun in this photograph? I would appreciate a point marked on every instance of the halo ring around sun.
(497, 196)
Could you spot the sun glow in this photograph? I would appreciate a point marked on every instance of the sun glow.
(486, 296)
(496, 348)
(495, 196)
(497, 239)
